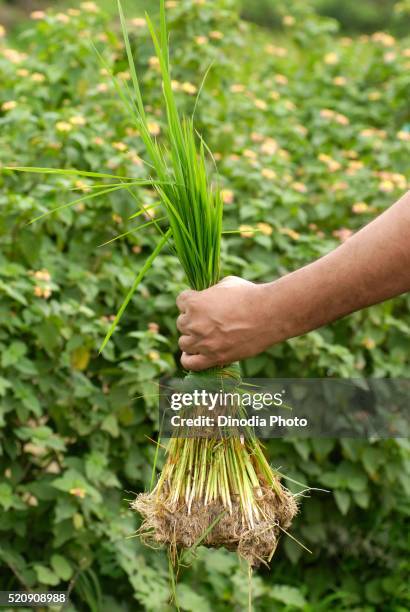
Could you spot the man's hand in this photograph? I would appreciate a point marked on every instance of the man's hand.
(237, 319)
(220, 325)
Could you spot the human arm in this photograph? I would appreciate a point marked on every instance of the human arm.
(236, 319)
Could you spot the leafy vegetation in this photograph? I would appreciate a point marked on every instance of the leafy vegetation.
(312, 138)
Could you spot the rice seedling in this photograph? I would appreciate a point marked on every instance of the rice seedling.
(211, 491)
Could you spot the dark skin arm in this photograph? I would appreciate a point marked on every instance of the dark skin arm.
(236, 319)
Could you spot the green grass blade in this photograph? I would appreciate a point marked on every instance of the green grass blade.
(131, 63)
(133, 231)
(137, 281)
(85, 198)
(66, 172)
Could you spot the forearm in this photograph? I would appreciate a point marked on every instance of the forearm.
(370, 267)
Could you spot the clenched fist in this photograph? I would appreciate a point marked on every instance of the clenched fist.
(222, 324)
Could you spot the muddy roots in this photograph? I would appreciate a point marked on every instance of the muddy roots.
(214, 526)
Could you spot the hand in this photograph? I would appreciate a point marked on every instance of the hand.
(222, 324)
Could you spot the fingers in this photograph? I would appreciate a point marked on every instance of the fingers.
(196, 362)
(182, 323)
(187, 344)
(183, 299)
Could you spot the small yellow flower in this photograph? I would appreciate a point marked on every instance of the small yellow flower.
(15, 57)
(386, 186)
(189, 88)
(340, 186)
(265, 229)
(249, 154)
(176, 85)
(2, 31)
(89, 7)
(402, 135)
(170, 4)
(331, 59)
(301, 129)
(324, 158)
(327, 113)
(125, 75)
(23, 72)
(73, 12)
(277, 51)
(360, 207)
(82, 186)
(246, 231)
(38, 77)
(260, 104)
(227, 196)
(281, 79)
(284, 154)
(288, 20)
(269, 146)
(368, 343)
(63, 126)
(102, 87)
(237, 88)
(389, 57)
(9, 105)
(78, 491)
(300, 187)
(136, 159)
(78, 120)
(268, 174)
(116, 218)
(275, 95)
(287, 231)
(341, 119)
(119, 146)
(153, 355)
(256, 137)
(356, 164)
(62, 18)
(37, 15)
(385, 39)
(153, 61)
(374, 95)
(340, 81)
(138, 22)
(154, 128)
(216, 35)
(42, 275)
(201, 40)
(343, 234)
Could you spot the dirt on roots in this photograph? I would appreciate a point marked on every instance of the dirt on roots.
(215, 526)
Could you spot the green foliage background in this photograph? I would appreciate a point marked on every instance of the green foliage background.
(75, 425)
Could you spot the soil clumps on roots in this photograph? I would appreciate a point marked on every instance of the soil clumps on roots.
(214, 525)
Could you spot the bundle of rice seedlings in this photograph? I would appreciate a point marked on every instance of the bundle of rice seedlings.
(212, 491)
(220, 492)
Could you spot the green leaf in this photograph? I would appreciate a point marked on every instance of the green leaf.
(46, 575)
(342, 499)
(61, 567)
(189, 600)
(290, 596)
(13, 353)
(6, 496)
(110, 425)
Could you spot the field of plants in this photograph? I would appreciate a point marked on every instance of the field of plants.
(310, 131)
